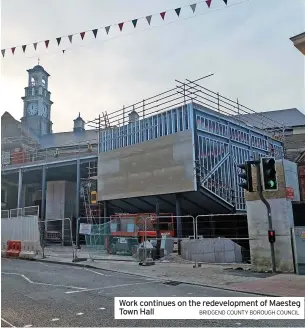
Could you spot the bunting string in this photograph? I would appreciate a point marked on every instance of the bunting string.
(121, 25)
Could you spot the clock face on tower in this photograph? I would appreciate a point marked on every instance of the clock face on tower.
(44, 111)
(32, 109)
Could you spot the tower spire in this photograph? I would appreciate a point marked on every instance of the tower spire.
(38, 60)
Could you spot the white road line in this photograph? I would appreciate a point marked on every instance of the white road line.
(189, 293)
(42, 283)
(99, 273)
(79, 313)
(102, 308)
(27, 326)
(8, 323)
(114, 286)
(55, 319)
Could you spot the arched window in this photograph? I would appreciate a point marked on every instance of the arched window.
(33, 81)
(43, 81)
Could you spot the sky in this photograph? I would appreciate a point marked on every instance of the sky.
(246, 46)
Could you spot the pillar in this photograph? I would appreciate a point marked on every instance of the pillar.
(19, 201)
(77, 202)
(43, 192)
(105, 204)
(178, 220)
(77, 188)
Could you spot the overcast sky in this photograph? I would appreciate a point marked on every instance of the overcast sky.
(246, 46)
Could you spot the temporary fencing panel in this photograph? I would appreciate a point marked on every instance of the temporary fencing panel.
(131, 235)
(5, 214)
(23, 228)
(54, 235)
(220, 238)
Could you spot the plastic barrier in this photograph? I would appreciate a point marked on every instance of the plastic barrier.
(13, 248)
(29, 250)
(3, 249)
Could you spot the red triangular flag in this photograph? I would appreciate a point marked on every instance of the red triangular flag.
(208, 3)
(58, 40)
(47, 43)
(35, 45)
(3, 52)
(82, 35)
(23, 48)
(163, 14)
(13, 50)
(121, 26)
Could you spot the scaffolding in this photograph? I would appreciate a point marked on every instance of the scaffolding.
(190, 92)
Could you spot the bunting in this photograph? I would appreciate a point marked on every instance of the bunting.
(121, 26)
(107, 28)
(208, 2)
(148, 18)
(134, 23)
(177, 10)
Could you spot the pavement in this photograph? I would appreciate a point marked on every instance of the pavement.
(44, 294)
(237, 277)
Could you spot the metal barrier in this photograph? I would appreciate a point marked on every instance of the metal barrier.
(220, 236)
(5, 214)
(130, 235)
(24, 211)
(20, 228)
(56, 238)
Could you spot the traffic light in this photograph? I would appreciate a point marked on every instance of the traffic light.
(268, 173)
(246, 175)
(271, 236)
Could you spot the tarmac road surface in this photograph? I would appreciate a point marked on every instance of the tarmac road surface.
(38, 294)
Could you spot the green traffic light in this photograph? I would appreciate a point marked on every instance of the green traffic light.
(271, 184)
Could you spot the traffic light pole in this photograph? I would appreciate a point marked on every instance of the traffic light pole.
(264, 200)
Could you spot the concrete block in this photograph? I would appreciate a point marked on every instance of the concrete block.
(219, 245)
(220, 257)
(229, 257)
(208, 258)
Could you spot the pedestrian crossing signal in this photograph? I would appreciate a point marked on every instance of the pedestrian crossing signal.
(271, 236)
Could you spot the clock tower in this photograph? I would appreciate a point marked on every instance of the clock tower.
(37, 102)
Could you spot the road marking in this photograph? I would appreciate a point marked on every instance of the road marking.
(173, 295)
(189, 293)
(114, 286)
(55, 319)
(8, 323)
(27, 326)
(102, 308)
(42, 283)
(99, 273)
(79, 313)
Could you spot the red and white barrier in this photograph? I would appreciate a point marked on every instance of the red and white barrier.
(20, 249)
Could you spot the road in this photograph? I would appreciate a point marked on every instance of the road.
(38, 294)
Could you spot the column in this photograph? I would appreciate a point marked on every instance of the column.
(178, 220)
(19, 201)
(105, 203)
(77, 202)
(43, 193)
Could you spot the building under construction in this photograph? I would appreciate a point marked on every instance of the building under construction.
(178, 150)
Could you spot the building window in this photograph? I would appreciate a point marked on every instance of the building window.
(43, 81)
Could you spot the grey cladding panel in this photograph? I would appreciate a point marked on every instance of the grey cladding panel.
(155, 167)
